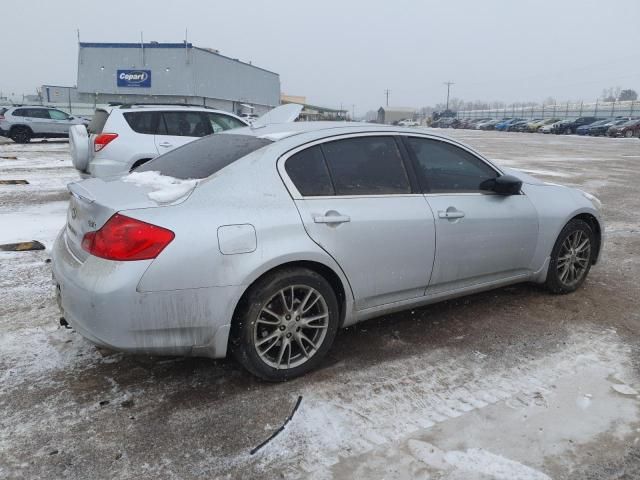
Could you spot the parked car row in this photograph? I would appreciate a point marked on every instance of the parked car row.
(594, 126)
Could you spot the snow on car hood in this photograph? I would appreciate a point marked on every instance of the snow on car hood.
(164, 189)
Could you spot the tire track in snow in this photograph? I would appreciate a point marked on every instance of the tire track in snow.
(339, 420)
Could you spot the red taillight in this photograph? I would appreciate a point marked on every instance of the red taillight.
(124, 238)
(1, 117)
(102, 140)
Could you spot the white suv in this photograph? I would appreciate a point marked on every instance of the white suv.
(22, 123)
(121, 138)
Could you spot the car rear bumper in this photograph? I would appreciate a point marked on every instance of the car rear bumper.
(100, 300)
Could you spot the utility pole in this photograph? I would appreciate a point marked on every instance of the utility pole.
(387, 92)
(448, 84)
(353, 112)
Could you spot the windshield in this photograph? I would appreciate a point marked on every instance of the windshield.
(204, 157)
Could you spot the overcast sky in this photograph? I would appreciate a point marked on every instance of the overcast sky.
(350, 51)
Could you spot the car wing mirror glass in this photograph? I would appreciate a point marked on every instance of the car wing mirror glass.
(503, 185)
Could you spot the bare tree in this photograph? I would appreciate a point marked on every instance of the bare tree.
(628, 94)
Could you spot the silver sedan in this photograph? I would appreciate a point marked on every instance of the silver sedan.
(263, 242)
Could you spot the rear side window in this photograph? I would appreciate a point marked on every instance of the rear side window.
(446, 168)
(143, 122)
(308, 171)
(20, 112)
(98, 121)
(366, 166)
(204, 157)
(185, 124)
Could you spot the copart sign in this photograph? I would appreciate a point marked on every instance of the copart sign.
(134, 78)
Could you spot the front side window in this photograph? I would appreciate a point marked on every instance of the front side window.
(366, 166)
(58, 115)
(308, 172)
(446, 168)
(220, 122)
(185, 124)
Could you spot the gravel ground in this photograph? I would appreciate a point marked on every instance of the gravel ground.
(509, 384)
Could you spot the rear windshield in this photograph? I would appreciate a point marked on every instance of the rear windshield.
(98, 121)
(205, 156)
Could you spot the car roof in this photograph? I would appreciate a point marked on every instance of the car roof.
(28, 106)
(133, 108)
(278, 131)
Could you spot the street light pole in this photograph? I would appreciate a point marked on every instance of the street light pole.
(448, 84)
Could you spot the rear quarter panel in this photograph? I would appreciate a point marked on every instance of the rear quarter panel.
(248, 192)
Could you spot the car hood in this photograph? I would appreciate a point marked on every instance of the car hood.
(522, 176)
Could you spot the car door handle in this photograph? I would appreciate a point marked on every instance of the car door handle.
(449, 214)
(331, 218)
(166, 144)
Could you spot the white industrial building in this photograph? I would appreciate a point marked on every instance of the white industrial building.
(165, 73)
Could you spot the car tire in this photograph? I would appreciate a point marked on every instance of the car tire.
(268, 335)
(21, 134)
(571, 258)
(568, 131)
(628, 133)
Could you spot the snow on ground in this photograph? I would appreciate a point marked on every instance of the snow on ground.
(408, 399)
(511, 384)
(42, 223)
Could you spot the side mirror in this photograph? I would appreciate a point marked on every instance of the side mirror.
(504, 185)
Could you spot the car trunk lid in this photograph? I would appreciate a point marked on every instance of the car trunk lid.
(94, 201)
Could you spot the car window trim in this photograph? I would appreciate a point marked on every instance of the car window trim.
(295, 193)
(426, 189)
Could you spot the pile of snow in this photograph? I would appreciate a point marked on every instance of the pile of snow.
(164, 189)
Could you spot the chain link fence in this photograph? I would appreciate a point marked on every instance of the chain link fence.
(559, 111)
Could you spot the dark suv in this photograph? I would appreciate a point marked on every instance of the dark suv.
(570, 126)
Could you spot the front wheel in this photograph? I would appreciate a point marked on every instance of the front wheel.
(285, 324)
(570, 258)
(628, 133)
(20, 134)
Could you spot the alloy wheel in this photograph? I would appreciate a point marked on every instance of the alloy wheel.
(291, 327)
(574, 257)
